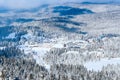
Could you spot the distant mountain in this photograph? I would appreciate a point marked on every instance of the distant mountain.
(3, 10)
(66, 10)
(111, 2)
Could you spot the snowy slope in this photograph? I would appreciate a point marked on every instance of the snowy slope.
(89, 34)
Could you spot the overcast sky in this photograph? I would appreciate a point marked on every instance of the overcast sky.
(34, 3)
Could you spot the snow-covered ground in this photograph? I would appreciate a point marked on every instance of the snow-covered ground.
(1, 48)
(37, 51)
(11, 36)
(105, 20)
(98, 65)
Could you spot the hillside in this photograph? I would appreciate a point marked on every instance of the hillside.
(66, 42)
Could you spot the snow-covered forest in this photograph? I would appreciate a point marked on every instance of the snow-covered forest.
(69, 41)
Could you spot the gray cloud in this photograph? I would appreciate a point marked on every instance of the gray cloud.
(19, 4)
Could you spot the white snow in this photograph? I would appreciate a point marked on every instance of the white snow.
(98, 65)
(1, 48)
(37, 51)
(28, 36)
(72, 52)
(11, 36)
(58, 45)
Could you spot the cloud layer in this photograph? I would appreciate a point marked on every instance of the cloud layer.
(19, 4)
